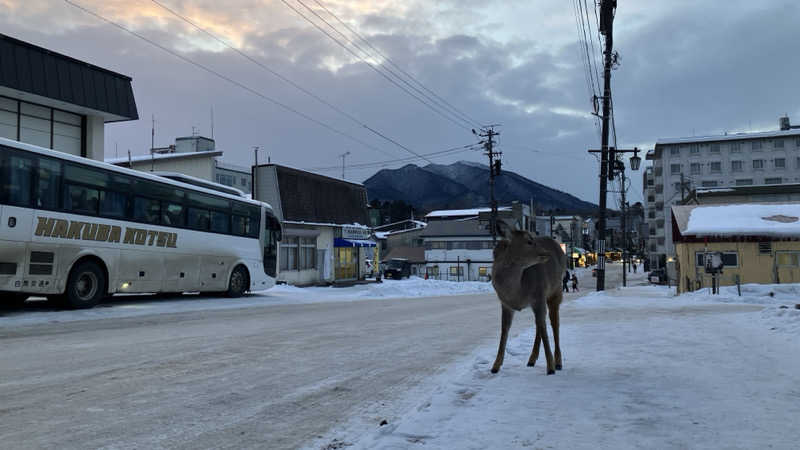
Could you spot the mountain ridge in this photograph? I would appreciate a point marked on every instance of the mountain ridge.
(464, 185)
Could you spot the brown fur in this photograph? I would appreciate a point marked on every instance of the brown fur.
(527, 271)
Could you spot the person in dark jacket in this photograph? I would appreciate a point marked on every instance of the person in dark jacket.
(566, 280)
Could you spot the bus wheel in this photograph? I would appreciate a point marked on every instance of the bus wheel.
(238, 283)
(86, 286)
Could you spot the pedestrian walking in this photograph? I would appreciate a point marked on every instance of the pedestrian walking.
(566, 280)
(574, 283)
(634, 267)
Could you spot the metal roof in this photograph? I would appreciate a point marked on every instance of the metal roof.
(29, 68)
(123, 160)
(309, 197)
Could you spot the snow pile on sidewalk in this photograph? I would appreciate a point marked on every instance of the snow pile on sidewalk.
(413, 287)
(642, 369)
(142, 305)
(780, 300)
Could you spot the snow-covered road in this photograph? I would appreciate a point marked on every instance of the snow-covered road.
(642, 369)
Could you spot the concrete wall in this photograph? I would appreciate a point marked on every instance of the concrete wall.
(754, 267)
(95, 138)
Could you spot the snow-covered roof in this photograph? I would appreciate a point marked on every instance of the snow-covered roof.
(729, 137)
(163, 156)
(745, 219)
(463, 212)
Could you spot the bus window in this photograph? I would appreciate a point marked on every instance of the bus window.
(239, 225)
(197, 219)
(146, 210)
(81, 199)
(220, 222)
(172, 215)
(48, 183)
(85, 175)
(113, 204)
(19, 174)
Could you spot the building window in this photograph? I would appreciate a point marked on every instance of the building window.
(715, 166)
(456, 271)
(736, 147)
(694, 149)
(437, 245)
(791, 259)
(780, 163)
(797, 162)
(744, 182)
(674, 151)
(676, 186)
(675, 168)
(758, 164)
(244, 181)
(756, 145)
(42, 126)
(651, 198)
(694, 168)
(289, 248)
(709, 184)
(729, 259)
(797, 142)
(483, 271)
(775, 180)
(715, 147)
(778, 143)
(308, 252)
(651, 214)
(736, 166)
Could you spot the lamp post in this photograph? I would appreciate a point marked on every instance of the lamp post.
(615, 167)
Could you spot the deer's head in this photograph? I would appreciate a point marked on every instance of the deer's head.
(519, 248)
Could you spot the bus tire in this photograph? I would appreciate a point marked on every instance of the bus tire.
(86, 286)
(238, 283)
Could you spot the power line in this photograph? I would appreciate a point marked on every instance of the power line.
(372, 66)
(373, 164)
(283, 78)
(390, 61)
(224, 77)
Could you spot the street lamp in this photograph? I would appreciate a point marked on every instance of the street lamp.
(635, 161)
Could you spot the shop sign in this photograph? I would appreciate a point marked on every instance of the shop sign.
(351, 232)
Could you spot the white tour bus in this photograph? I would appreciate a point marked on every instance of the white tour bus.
(76, 230)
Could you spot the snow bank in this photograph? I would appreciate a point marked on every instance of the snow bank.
(140, 305)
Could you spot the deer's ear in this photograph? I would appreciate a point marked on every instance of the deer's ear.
(503, 230)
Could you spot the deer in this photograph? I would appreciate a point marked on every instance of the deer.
(527, 271)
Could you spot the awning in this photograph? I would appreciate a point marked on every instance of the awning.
(340, 242)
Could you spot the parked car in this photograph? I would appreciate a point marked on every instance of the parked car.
(397, 268)
(658, 276)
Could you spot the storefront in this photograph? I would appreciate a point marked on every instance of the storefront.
(351, 252)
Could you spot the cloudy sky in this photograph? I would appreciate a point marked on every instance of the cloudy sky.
(687, 67)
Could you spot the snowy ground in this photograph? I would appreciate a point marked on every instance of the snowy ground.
(642, 369)
(38, 311)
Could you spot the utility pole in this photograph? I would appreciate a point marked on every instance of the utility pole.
(494, 170)
(624, 233)
(607, 9)
(343, 155)
(255, 169)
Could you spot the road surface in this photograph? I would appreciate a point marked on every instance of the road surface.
(265, 377)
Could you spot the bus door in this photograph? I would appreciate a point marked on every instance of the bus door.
(272, 235)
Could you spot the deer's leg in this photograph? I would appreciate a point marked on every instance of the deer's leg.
(505, 324)
(552, 306)
(535, 352)
(540, 310)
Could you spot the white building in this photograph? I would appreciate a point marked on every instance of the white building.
(58, 102)
(682, 164)
(458, 250)
(195, 156)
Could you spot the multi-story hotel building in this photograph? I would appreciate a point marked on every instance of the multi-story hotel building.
(682, 164)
